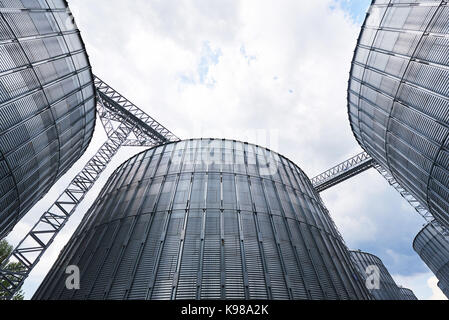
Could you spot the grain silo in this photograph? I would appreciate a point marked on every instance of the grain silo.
(444, 289)
(398, 97)
(407, 294)
(372, 266)
(47, 102)
(433, 248)
(207, 219)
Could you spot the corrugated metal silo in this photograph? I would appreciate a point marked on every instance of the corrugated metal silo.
(47, 102)
(444, 289)
(407, 294)
(433, 248)
(398, 96)
(388, 289)
(207, 219)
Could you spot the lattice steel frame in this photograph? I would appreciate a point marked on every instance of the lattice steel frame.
(112, 109)
(146, 129)
(439, 6)
(361, 163)
(343, 171)
(422, 210)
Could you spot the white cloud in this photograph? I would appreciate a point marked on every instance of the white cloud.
(424, 285)
(437, 294)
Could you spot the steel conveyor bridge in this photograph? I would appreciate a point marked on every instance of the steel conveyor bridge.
(360, 163)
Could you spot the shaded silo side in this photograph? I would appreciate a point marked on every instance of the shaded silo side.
(433, 248)
(388, 289)
(207, 219)
(444, 288)
(398, 97)
(47, 102)
(407, 294)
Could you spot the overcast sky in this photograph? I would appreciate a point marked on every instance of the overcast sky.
(269, 72)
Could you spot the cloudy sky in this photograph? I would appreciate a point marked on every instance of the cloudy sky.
(269, 72)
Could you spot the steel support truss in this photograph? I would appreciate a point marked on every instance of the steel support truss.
(125, 125)
(343, 171)
(361, 163)
(422, 210)
(146, 130)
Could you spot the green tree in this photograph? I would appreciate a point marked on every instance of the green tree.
(5, 251)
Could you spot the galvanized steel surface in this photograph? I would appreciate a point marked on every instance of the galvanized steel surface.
(207, 219)
(47, 102)
(388, 289)
(444, 289)
(433, 248)
(398, 96)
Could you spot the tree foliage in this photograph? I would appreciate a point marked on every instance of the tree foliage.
(5, 251)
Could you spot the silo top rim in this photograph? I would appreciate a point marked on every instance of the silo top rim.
(216, 139)
(426, 227)
(365, 253)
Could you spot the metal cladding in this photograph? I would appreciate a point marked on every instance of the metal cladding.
(367, 263)
(398, 96)
(407, 294)
(433, 248)
(444, 289)
(207, 219)
(47, 102)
